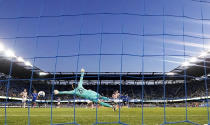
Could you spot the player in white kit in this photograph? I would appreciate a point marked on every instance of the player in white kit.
(115, 96)
(24, 95)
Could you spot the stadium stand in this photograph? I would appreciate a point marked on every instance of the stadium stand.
(173, 91)
(109, 82)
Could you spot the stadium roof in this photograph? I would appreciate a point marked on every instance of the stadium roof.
(18, 70)
(22, 69)
(196, 69)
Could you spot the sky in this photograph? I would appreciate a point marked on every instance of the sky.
(60, 21)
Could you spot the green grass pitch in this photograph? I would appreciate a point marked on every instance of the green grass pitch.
(86, 116)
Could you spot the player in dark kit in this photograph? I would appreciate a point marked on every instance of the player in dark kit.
(34, 98)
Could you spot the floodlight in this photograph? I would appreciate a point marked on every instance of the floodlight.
(9, 53)
(1, 47)
(20, 59)
(27, 63)
(170, 73)
(193, 59)
(43, 73)
(186, 64)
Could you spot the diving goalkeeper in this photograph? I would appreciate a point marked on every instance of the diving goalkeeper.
(84, 93)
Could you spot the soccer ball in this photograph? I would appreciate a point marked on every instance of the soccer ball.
(82, 70)
(56, 92)
(41, 93)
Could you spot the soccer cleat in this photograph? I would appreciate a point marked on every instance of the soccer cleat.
(114, 108)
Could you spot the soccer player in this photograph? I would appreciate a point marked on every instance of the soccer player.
(125, 99)
(34, 98)
(115, 96)
(84, 93)
(24, 95)
(90, 104)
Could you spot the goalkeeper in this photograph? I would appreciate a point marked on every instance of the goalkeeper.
(84, 93)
